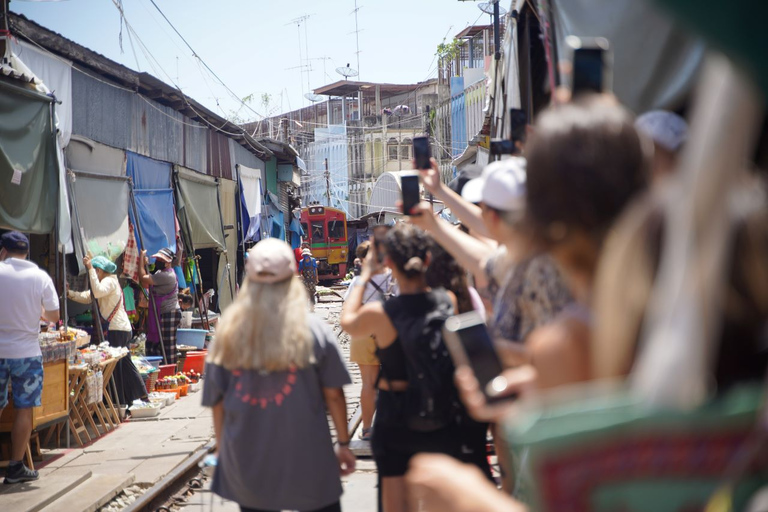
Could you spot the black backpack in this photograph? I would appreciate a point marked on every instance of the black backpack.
(431, 400)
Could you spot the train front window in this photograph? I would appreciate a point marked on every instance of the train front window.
(318, 231)
(305, 229)
(336, 229)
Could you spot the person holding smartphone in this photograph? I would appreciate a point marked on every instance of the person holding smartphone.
(408, 331)
(362, 349)
(525, 286)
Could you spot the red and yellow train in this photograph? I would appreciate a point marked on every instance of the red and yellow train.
(325, 231)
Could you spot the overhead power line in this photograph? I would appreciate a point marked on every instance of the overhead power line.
(211, 71)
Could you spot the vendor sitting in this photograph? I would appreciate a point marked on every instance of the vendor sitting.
(105, 287)
(187, 303)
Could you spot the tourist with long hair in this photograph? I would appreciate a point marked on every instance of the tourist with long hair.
(418, 408)
(362, 350)
(272, 373)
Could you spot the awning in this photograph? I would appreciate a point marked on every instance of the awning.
(29, 170)
(52, 75)
(251, 198)
(227, 275)
(102, 203)
(198, 209)
(87, 155)
(154, 202)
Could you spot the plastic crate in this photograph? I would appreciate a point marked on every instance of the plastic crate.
(149, 381)
(166, 370)
(192, 337)
(195, 361)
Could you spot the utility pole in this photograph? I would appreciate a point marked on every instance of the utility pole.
(496, 32)
(327, 182)
(5, 32)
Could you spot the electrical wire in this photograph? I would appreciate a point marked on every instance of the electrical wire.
(194, 54)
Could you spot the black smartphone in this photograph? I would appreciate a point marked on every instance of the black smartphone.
(421, 152)
(409, 185)
(591, 64)
(379, 232)
(503, 147)
(518, 122)
(469, 343)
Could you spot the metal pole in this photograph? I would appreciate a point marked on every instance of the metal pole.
(152, 303)
(496, 31)
(61, 272)
(240, 204)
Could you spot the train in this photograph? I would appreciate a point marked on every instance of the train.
(325, 230)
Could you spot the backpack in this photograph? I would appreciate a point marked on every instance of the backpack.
(431, 400)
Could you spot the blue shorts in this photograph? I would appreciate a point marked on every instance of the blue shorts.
(26, 378)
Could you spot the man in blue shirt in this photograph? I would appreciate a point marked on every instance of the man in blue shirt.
(308, 272)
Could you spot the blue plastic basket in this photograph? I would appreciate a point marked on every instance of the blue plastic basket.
(154, 361)
(192, 337)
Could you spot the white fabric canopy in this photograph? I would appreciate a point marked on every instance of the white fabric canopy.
(252, 194)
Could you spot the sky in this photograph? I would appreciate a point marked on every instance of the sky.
(252, 44)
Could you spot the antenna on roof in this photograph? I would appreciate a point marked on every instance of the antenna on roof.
(346, 71)
(357, 37)
(487, 8)
(304, 62)
(313, 97)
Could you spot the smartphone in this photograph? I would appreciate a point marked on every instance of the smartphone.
(469, 343)
(409, 185)
(421, 153)
(518, 122)
(503, 147)
(379, 232)
(591, 64)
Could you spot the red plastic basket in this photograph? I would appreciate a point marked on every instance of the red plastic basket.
(195, 361)
(149, 381)
(166, 370)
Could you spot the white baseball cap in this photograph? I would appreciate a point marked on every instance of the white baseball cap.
(665, 128)
(270, 261)
(501, 185)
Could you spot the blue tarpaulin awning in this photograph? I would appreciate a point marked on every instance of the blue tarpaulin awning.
(154, 202)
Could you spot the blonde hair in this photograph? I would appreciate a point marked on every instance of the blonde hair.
(265, 328)
(629, 266)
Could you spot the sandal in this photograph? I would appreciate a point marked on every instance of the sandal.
(366, 435)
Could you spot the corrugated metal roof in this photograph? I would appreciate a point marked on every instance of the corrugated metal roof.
(10, 72)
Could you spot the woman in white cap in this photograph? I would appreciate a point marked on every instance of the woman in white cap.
(271, 374)
(668, 131)
(164, 287)
(105, 287)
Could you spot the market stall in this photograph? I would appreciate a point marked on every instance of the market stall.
(57, 349)
(200, 217)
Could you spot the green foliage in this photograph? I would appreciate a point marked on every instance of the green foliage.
(448, 50)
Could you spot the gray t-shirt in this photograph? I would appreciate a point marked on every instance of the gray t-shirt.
(163, 283)
(276, 452)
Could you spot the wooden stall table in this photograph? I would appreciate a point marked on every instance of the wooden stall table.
(107, 413)
(54, 406)
(78, 406)
(101, 413)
